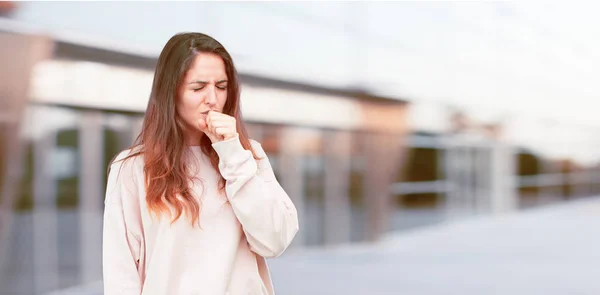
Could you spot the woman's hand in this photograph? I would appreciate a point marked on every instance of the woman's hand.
(220, 127)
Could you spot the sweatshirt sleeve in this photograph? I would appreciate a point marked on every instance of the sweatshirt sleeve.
(122, 231)
(267, 215)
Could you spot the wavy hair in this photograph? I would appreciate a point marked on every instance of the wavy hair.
(161, 140)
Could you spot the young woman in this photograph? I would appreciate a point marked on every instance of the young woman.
(194, 207)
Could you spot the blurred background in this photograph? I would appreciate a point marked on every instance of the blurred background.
(430, 147)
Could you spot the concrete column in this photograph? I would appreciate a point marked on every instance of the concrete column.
(20, 54)
(292, 177)
(468, 178)
(460, 171)
(337, 182)
(91, 143)
(383, 160)
(504, 189)
(482, 178)
(45, 235)
(451, 159)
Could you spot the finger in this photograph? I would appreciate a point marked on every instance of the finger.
(217, 115)
(221, 118)
(223, 123)
(216, 124)
(218, 120)
(222, 131)
(207, 119)
(213, 121)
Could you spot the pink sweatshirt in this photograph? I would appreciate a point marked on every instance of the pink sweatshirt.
(254, 220)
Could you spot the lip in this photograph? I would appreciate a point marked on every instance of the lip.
(205, 112)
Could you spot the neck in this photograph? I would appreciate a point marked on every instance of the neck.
(193, 137)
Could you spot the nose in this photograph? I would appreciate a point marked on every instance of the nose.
(211, 97)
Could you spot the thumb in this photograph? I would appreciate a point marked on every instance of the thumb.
(203, 126)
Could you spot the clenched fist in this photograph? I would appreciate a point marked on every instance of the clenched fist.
(219, 126)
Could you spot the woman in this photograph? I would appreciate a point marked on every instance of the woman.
(194, 206)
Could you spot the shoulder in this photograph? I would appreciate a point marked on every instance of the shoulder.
(125, 182)
(129, 159)
(125, 173)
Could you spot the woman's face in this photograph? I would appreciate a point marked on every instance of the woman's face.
(204, 89)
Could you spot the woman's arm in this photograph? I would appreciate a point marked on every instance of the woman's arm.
(267, 214)
(122, 233)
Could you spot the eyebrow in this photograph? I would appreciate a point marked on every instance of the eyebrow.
(204, 82)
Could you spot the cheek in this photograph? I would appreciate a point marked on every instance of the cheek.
(222, 99)
(193, 99)
(187, 107)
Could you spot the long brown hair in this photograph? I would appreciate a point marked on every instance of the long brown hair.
(161, 141)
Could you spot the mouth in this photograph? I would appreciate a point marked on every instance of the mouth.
(205, 112)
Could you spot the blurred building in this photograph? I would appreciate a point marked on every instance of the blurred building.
(73, 107)
(360, 158)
